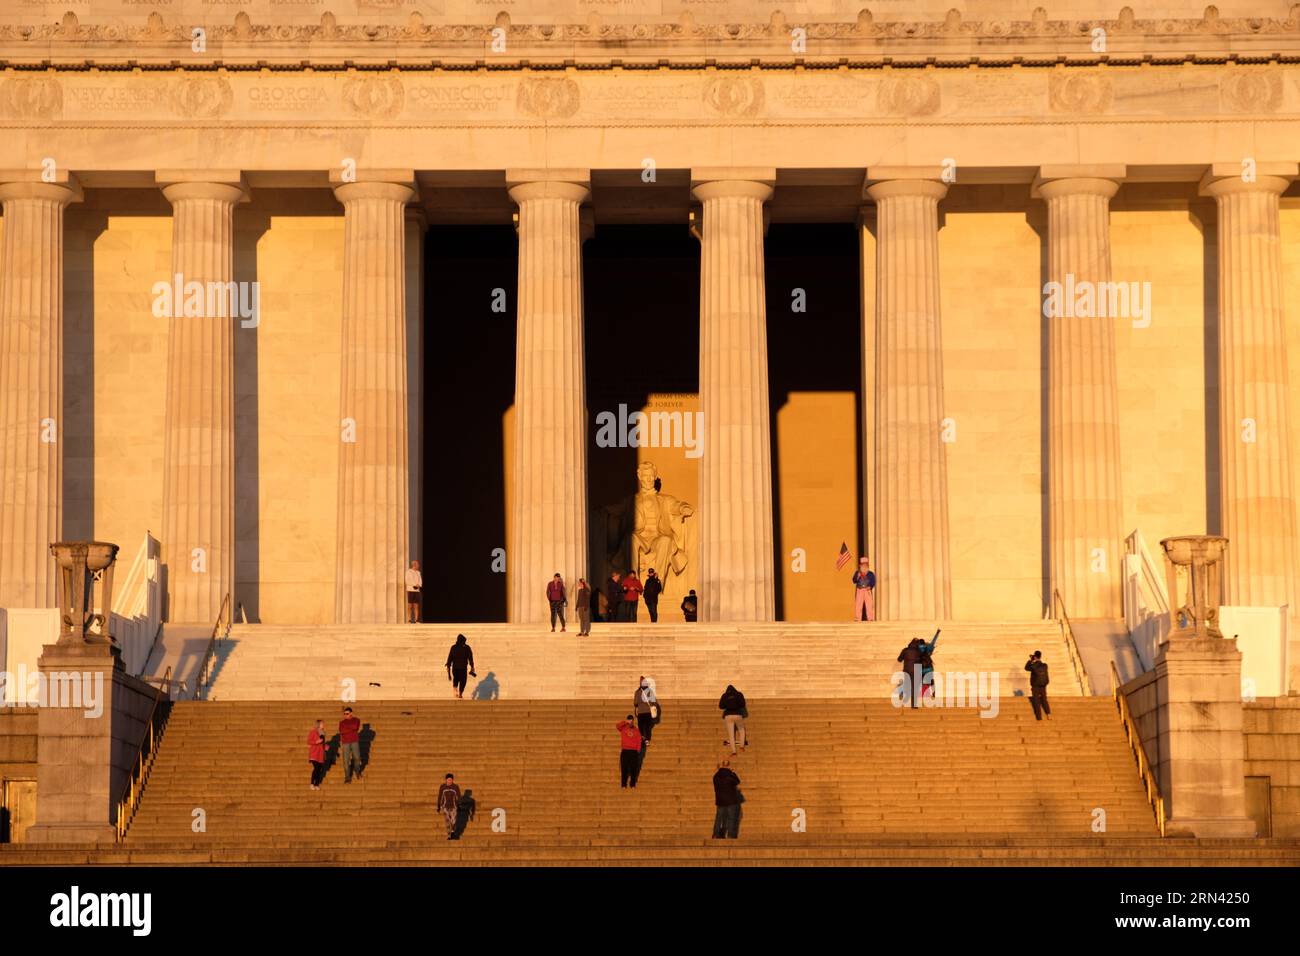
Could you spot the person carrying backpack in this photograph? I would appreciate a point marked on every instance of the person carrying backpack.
(1038, 681)
(734, 712)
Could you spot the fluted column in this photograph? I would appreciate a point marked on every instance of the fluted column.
(373, 493)
(1085, 506)
(911, 474)
(198, 529)
(1257, 469)
(737, 573)
(549, 527)
(31, 388)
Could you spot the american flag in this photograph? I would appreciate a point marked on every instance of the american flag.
(845, 556)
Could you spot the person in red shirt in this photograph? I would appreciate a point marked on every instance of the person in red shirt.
(350, 744)
(629, 755)
(631, 592)
(316, 753)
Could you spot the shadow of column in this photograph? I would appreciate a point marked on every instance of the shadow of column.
(1036, 217)
(1204, 216)
(82, 227)
(250, 224)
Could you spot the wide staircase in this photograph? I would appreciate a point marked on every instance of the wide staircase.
(517, 662)
(873, 783)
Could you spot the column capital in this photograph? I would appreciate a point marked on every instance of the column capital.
(32, 184)
(1223, 179)
(375, 189)
(571, 184)
(754, 182)
(1099, 179)
(227, 185)
(894, 188)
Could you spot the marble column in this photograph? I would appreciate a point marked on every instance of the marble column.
(737, 565)
(1258, 507)
(549, 522)
(31, 385)
(1085, 506)
(911, 473)
(373, 490)
(198, 529)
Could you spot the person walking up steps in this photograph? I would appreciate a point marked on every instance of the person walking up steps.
(448, 798)
(734, 712)
(1038, 681)
(629, 753)
(727, 800)
(460, 664)
(645, 706)
(316, 753)
(350, 744)
(555, 594)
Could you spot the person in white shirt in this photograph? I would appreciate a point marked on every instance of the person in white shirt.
(414, 584)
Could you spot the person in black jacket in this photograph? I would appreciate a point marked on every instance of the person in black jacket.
(910, 657)
(460, 664)
(734, 712)
(651, 590)
(727, 800)
(1038, 681)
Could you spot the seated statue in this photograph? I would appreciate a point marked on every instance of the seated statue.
(659, 532)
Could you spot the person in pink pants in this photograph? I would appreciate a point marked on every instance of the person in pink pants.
(864, 585)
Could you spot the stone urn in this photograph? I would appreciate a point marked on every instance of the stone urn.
(84, 567)
(1195, 614)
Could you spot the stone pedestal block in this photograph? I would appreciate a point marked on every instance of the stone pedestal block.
(1202, 751)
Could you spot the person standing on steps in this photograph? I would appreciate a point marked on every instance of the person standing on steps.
(734, 712)
(584, 607)
(1038, 681)
(555, 594)
(727, 800)
(316, 753)
(414, 586)
(690, 607)
(646, 707)
(465, 807)
(864, 589)
(629, 752)
(350, 744)
(631, 593)
(613, 597)
(448, 798)
(653, 588)
(460, 659)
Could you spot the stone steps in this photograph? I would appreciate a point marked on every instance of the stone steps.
(820, 660)
(852, 767)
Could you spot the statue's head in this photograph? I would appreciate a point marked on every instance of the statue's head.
(646, 475)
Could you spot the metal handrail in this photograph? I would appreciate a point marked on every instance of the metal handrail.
(203, 676)
(1145, 770)
(154, 726)
(1067, 632)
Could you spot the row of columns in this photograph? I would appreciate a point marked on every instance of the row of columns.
(549, 527)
